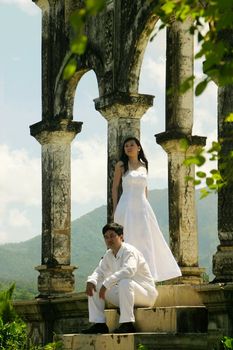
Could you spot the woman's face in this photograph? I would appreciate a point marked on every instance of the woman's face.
(131, 148)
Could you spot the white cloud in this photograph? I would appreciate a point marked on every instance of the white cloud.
(26, 5)
(157, 158)
(18, 218)
(151, 117)
(153, 72)
(16, 59)
(89, 171)
(20, 187)
(20, 179)
(205, 113)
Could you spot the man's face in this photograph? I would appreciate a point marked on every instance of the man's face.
(112, 240)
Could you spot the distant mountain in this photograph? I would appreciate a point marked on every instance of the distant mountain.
(17, 260)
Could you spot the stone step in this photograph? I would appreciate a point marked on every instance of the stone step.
(178, 295)
(134, 341)
(178, 319)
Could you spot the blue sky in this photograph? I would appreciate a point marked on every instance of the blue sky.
(20, 106)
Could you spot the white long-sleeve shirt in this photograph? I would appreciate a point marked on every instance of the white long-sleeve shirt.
(128, 263)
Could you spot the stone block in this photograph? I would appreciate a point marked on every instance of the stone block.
(177, 319)
(178, 295)
(132, 341)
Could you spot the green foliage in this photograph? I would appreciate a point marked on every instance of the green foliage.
(212, 23)
(13, 335)
(7, 312)
(227, 342)
(79, 40)
(24, 290)
(13, 331)
(141, 347)
(214, 181)
(229, 118)
(50, 346)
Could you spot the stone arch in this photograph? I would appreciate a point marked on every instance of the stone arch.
(65, 89)
(136, 39)
(139, 51)
(64, 95)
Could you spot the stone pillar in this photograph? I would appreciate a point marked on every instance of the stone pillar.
(123, 112)
(223, 258)
(56, 274)
(182, 213)
(179, 66)
(179, 122)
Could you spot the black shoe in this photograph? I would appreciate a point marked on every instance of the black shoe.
(96, 328)
(126, 327)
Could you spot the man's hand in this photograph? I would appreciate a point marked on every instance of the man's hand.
(90, 289)
(102, 292)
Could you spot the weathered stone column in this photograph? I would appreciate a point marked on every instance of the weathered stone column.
(179, 122)
(182, 213)
(179, 66)
(56, 274)
(223, 258)
(123, 112)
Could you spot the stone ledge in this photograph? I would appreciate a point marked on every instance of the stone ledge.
(178, 295)
(55, 124)
(152, 341)
(165, 319)
(178, 135)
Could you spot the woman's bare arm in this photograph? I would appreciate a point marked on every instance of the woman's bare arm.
(116, 182)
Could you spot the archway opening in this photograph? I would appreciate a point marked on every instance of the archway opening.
(152, 81)
(88, 181)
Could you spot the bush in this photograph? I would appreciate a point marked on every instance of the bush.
(13, 331)
(227, 343)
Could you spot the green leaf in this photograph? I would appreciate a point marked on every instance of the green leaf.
(95, 6)
(209, 181)
(200, 160)
(201, 87)
(216, 147)
(168, 7)
(70, 69)
(199, 37)
(228, 342)
(229, 118)
(186, 84)
(189, 178)
(214, 171)
(184, 144)
(204, 193)
(79, 44)
(201, 174)
(217, 177)
(77, 19)
(197, 182)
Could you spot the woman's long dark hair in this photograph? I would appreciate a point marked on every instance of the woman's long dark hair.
(141, 156)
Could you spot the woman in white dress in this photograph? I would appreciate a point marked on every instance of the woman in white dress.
(134, 213)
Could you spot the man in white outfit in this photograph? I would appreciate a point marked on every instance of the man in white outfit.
(122, 278)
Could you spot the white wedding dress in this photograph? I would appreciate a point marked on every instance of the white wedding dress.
(141, 228)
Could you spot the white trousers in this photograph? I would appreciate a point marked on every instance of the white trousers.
(126, 294)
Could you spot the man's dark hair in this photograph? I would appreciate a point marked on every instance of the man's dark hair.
(114, 227)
